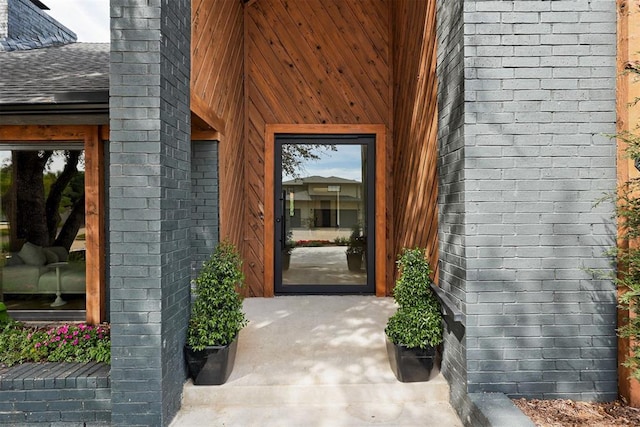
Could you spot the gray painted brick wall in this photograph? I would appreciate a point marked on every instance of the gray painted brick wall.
(204, 208)
(150, 207)
(56, 407)
(59, 394)
(175, 116)
(24, 26)
(539, 97)
(451, 194)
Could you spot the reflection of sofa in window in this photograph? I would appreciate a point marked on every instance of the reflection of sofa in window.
(28, 272)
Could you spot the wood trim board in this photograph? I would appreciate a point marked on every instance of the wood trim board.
(93, 138)
(380, 132)
(628, 116)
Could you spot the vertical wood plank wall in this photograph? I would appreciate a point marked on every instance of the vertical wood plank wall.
(217, 58)
(318, 62)
(308, 62)
(628, 119)
(415, 177)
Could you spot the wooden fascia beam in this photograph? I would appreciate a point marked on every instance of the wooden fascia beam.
(204, 135)
(205, 118)
(21, 133)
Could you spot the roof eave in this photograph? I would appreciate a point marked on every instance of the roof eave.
(73, 113)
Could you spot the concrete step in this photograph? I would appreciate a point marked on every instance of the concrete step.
(435, 414)
(434, 391)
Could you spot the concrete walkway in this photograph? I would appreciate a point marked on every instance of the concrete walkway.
(316, 361)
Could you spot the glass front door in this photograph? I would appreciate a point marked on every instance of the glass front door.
(324, 214)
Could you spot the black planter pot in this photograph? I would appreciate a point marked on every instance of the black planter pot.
(354, 262)
(413, 364)
(213, 365)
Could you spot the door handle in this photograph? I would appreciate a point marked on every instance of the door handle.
(283, 227)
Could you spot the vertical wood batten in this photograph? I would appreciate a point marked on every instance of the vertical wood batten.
(269, 212)
(383, 210)
(628, 117)
(94, 225)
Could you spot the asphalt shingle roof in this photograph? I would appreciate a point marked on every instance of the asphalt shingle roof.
(41, 75)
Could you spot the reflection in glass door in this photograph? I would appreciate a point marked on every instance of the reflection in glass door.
(324, 213)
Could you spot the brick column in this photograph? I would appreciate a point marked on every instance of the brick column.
(149, 207)
(521, 167)
(451, 232)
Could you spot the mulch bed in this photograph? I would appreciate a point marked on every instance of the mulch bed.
(569, 413)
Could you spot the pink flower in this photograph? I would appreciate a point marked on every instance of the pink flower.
(38, 345)
(87, 337)
(75, 342)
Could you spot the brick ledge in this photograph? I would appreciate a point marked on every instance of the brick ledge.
(62, 375)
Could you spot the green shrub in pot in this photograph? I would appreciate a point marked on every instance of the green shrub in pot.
(415, 330)
(216, 317)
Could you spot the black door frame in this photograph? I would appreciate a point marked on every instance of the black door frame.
(279, 212)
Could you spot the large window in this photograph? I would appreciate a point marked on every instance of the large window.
(42, 228)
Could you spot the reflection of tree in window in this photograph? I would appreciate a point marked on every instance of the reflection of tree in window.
(36, 199)
(295, 155)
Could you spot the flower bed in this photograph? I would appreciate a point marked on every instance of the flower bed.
(75, 388)
(63, 343)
